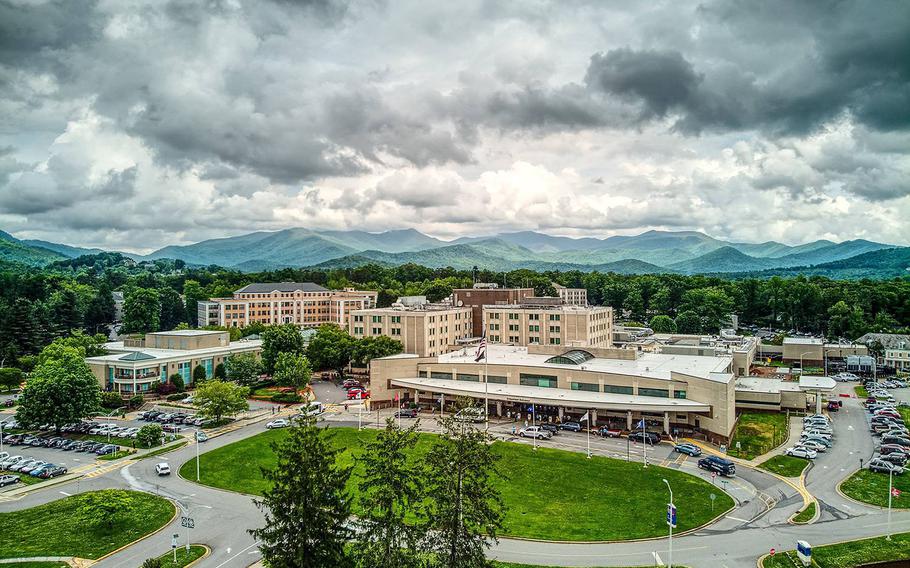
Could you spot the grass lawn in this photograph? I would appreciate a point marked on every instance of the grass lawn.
(183, 557)
(549, 494)
(57, 529)
(861, 391)
(758, 433)
(872, 488)
(24, 479)
(850, 554)
(116, 455)
(36, 565)
(160, 451)
(788, 466)
(806, 514)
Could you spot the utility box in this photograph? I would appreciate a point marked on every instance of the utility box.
(804, 552)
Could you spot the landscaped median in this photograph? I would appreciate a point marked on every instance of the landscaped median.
(786, 466)
(548, 494)
(184, 558)
(872, 488)
(74, 526)
(758, 433)
(848, 554)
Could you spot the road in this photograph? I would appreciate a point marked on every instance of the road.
(764, 503)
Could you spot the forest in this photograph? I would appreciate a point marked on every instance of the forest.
(38, 305)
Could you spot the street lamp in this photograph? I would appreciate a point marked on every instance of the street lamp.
(197, 455)
(670, 519)
(801, 360)
(189, 521)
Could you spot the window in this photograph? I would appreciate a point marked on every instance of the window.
(494, 327)
(554, 317)
(534, 329)
(530, 380)
(554, 341)
(513, 316)
(679, 394)
(377, 331)
(499, 380)
(396, 331)
(424, 374)
(377, 319)
(468, 377)
(494, 339)
(534, 317)
(554, 329)
(660, 393)
(358, 331)
(358, 318)
(513, 327)
(396, 319)
(585, 387)
(616, 389)
(440, 375)
(513, 339)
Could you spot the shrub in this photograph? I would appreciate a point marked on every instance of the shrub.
(287, 398)
(199, 375)
(136, 401)
(151, 563)
(111, 400)
(177, 381)
(220, 372)
(178, 396)
(165, 388)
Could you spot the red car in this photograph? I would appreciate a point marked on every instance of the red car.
(352, 394)
(351, 383)
(610, 432)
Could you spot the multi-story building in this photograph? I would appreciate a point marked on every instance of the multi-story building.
(895, 349)
(302, 303)
(424, 329)
(572, 296)
(487, 295)
(536, 324)
(137, 366)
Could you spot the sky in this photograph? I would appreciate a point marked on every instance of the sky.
(134, 124)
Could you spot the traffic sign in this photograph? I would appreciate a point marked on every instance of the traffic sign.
(773, 552)
(187, 522)
(896, 492)
(671, 515)
(713, 474)
(174, 541)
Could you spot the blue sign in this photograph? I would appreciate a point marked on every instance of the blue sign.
(671, 515)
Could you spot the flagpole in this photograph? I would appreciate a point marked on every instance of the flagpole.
(890, 489)
(589, 434)
(644, 444)
(486, 387)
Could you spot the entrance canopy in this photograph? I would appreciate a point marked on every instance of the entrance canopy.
(552, 396)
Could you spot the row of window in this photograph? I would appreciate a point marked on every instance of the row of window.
(514, 316)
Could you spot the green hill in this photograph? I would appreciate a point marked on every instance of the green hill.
(13, 250)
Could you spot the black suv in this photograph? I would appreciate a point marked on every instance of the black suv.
(406, 413)
(573, 426)
(719, 465)
(646, 437)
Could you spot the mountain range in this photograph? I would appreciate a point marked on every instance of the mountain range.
(684, 252)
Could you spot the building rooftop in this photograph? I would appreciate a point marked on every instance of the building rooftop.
(266, 287)
(803, 341)
(765, 385)
(120, 352)
(187, 332)
(647, 365)
(888, 340)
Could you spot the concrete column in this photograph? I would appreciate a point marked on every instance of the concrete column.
(593, 418)
(560, 414)
(666, 422)
(498, 408)
(442, 402)
(818, 402)
(628, 420)
(416, 395)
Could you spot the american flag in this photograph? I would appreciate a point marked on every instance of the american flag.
(481, 348)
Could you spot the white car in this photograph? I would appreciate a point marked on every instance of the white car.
(814, 445)
(535, 432)
(801, 452)
(280, 423)
(162, 469)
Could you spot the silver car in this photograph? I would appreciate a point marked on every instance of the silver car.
(535, 432)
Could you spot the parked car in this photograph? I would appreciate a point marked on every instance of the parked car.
(801, 452)
(162, 469)
(687, 448)
(10, 461)
(813, 445)
(534, 432)
(645, 437)
(32, 466)
(879, 465)
(22, 463)
(8, 480)
(826, 441)
(608, 432)
(890, 439)
(718, 465)
(280, 423)
(833, 406)
(897, 458)
(55, 471)
(886, 449)
(571, 426)
(171, 428)
(201, 436)
(406, 413)
(551, 428)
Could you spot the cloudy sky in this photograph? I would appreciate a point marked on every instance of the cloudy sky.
(134, 124)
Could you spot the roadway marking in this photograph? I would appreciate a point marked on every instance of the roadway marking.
(737, 519)
(65, 493)
(236, 555)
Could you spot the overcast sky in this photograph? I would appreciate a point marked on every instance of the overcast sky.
(129, 124)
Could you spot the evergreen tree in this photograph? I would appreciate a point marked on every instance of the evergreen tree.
(24, 327)
(173, 312)
(464, 509)
(141, 310)
(100, 312)
(65, 310)
(192, 295)
(306, 507)
(391, 487)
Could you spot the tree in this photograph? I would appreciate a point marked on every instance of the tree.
(464, 510)
(844, 321)
(11, 378)
(65, 310)
(151, 563)
(369, 348)
(192, 295)
(306, 507)
(199, 375)
(215, 399)
(173, 311)
(277, 339)
(111, 400)
(149, 435)
(88, 345)
(292, 370)
(220, 372)
(141, 310)
(390, 489)
(106, 507)
(662, 324)
(61, 390)
(177, 380)
(243, 368)
(330, 348)
(101, 310)
(688, 322)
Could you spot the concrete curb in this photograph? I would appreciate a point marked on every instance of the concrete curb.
(863, 503)
(208, 552)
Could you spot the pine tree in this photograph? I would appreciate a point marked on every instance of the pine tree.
(391, 487)
(306, 508)
(464, 509)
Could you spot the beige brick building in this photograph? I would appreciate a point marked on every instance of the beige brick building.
(487, 295)
(572, 296)
(559, 325)
(302, 303)
(426, 330)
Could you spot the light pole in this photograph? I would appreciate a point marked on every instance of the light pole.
(187, 522)
(890, 490)
(197, 454)
(1, 436)
(670, 519)
(801, 360)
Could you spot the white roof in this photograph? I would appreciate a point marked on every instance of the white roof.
(766, 385)
(558, 397)
(118, 350)
(802, 341)
(811, 382)
(647, 365)
(187, 332)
